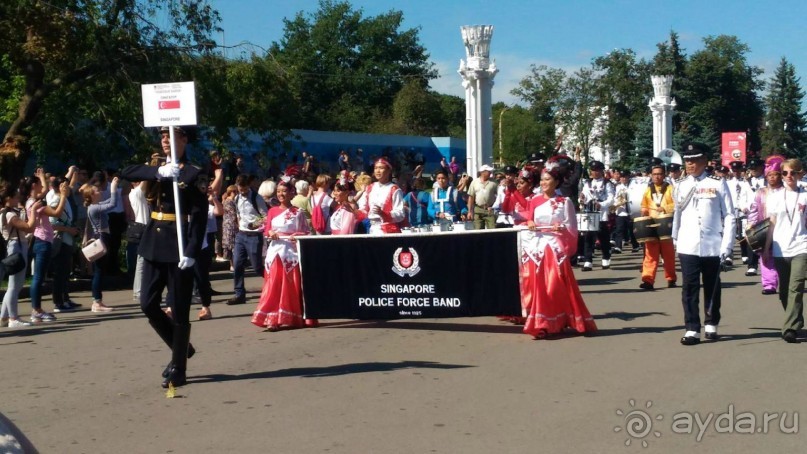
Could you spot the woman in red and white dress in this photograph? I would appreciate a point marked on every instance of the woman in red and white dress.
(281, 302)
(518, 203)
(343, 212)
(553, 301)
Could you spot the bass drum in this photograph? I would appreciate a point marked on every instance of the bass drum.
(645, 229)
(636, 189)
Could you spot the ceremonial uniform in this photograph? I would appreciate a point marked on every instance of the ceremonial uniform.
(159, 249)
(703, 229)
(597, 196)
(742, 195)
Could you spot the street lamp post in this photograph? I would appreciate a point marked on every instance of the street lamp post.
(501, 147)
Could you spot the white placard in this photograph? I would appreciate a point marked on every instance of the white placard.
(169, 104)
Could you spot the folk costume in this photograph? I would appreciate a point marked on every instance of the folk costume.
(550, 294)
(382, 202)
(281, 302)
(759, 212)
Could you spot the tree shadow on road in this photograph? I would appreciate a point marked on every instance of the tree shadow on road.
(628, 316)
(636, 330)
(601, 280)
(329, 371)
(763, 333)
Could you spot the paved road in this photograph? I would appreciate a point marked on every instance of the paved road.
(91, 383)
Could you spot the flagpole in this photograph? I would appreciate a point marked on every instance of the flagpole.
(177, 204)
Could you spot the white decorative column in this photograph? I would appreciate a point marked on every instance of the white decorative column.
(477, 74)
(662, 106)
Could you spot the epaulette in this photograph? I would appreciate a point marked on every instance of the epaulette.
(715, 177)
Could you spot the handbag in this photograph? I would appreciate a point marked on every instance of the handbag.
(93, 249)
(13, 264)
(134, 232)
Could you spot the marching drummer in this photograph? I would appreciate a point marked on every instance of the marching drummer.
(673, 174)
(597, 196)
(658, 203)
(742, 196)
(703, 232)
(757, 178)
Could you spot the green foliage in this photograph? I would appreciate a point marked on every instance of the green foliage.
(622, 89)
(721, 89)
(82, 63)
(784, 130)
(342, 66)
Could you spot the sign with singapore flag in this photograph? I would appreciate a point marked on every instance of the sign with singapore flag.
(169, 104)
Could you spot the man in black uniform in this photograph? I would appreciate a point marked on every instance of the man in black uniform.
(163, 265)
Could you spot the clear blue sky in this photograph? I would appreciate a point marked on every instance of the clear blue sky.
(559, 33)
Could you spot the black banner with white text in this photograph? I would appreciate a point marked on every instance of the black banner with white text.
(430, 275)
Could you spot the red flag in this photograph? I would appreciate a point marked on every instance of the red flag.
(169, 104)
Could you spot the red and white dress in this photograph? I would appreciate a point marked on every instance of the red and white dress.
(342, 221)
(281, 303)
(519, 205)
(550, 295)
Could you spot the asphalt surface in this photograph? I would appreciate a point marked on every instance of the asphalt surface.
(90, 383)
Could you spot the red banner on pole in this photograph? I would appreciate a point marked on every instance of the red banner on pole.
(733, 147)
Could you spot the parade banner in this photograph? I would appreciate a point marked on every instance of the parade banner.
(425, 275)
(169, 104)
(733, 147)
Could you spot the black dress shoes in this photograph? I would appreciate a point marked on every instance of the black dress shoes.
(768, 291)
(646, 286)
(671, 284)
(710, 336)
(690, 340)
(790, 337)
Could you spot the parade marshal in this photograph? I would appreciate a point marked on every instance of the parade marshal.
(703, 231)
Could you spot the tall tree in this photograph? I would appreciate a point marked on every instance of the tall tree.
(345, 66)
(582, 118)
(622, 88)
(545, 91)
(721, 88)
(417, 111)
(64, 46)
(785, 127)
(516, 134)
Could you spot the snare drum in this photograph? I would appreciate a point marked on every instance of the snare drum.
(757, 234)
(645, 229)
(664, 229)
(588, 222)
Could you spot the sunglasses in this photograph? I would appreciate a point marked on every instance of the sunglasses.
(787, 173)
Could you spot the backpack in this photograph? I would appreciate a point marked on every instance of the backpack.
(3, 242)
(318, 216)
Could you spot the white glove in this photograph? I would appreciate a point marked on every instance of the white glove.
(186, 262)
(168, 171)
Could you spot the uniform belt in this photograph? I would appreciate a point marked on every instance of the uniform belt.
(164, 216)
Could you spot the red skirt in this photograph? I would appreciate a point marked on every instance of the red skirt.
(556, 302)
(281, 303)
